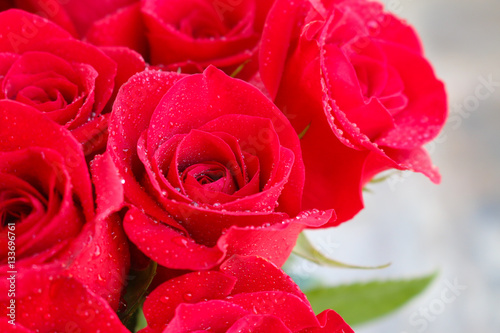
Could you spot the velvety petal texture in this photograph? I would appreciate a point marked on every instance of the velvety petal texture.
(236, 298)
(352, 79)
(210, 168)
(69, 81)
(75, 16)
(61, 241)
(188, 35)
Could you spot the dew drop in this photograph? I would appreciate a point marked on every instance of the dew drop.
(180, 241)
(97, 251)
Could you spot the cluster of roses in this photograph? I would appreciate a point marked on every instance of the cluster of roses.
(201, 135)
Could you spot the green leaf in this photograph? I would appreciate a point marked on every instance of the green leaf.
(362, 302)
(141, 321)
(383, 178)
(239, 68)
(306, 250)
(380, 179)
(136, 293)
(304, 131)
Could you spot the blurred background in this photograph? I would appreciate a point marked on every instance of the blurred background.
(453, 228)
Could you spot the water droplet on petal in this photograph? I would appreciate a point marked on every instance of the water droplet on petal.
(180, 241)
(97, 252)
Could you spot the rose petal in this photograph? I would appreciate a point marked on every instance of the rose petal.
(128, 63)
(76, 51)
(218, 95)
(84, 14)
(216, 315)
(58, 310)
(22, 126)
(293, 311)
(109, 190)
(93, 136)
(52, 10)
(277, 39)
(99, 258)
(122, 28)
(167, 246)
(273, 242)
(6, 326)
(29, 29)
(258, 324)
(249, 271)
(160, 306)
(132, 111)
(330, 322)
(62, 218)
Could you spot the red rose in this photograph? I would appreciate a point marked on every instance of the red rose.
(71, 82)
(49, 9)
(245, 294)
(354, 81)
(70, 260)
(210, 167)
(75, 16)
(190, 35)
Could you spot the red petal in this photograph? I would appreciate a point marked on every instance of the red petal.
(61, 217)
(131, 115)
(83, 14)
(330, 322)
(60, 310)
(99, 258)
(279, 31)
(129, 63)
(417, 160)
(160, 306)
(295, 313)
(427, 110)
(109, 190)
(249, 271)
(76, 51)
(22, 30)
(218, 94)
(93, 135)
(122, 28)
(213, 315)
(274, 242)
(259, 324)
(5, 326)
(22, 126)
(167, 246)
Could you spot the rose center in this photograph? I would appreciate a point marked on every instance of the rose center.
(380, 80)
(202, 24)
(13, 208)
(209, 176)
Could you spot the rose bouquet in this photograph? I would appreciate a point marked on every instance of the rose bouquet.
(159, 159)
